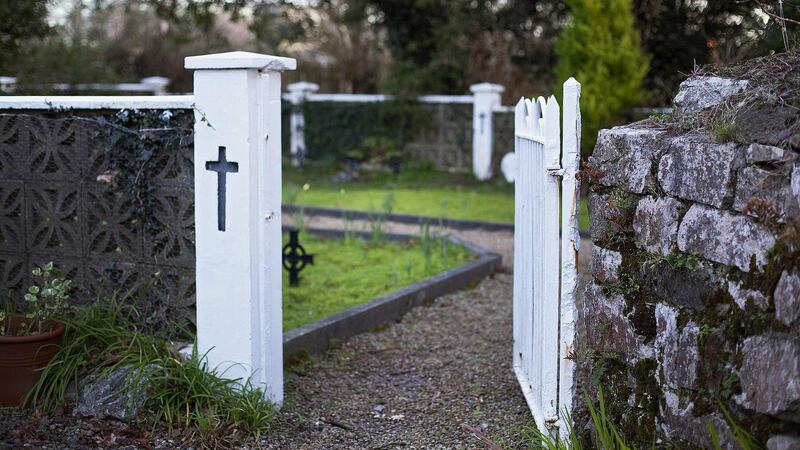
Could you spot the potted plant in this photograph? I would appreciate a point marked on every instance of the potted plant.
(29, 341)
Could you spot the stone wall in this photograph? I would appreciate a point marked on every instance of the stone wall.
(694, 307)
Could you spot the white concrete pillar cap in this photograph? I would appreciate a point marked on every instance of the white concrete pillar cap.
(240, 60)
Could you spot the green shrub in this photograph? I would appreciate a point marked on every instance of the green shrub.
(601, 48)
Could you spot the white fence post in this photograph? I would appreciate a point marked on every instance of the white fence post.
(298, 92)
(487, 97)
(570, 245)
(157, 84)
(8, 84)
(237, 151)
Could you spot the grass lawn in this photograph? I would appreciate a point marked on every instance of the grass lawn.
(352, 271)
(424, 193)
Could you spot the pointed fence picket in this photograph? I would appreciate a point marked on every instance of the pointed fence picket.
(545, 253)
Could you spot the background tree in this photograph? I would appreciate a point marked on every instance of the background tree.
(679, 34)
(601, 48)
(21, 21)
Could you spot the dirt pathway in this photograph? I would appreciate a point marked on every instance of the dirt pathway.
(421, 383)
(417, 384)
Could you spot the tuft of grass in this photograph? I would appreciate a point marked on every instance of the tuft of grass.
(98, 337)
(187, 394)
(191, 395)
(606, 435)
(725, 130)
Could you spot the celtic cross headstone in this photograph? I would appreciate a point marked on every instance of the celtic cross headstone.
(295, 257)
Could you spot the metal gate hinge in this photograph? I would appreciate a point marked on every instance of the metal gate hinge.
(555, 172)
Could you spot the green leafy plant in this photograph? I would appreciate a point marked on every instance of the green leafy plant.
(45, 300)
(49, 298)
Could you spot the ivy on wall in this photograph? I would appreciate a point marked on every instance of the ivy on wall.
(135, 144)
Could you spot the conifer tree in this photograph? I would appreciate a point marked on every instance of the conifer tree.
(601, 48)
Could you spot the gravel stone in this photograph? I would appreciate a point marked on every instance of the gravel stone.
(441, 367)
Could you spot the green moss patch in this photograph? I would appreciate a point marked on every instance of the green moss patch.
(352, 271)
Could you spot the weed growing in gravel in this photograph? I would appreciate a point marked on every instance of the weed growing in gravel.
(183, 393)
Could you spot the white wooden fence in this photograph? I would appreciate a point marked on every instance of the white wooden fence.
(485, 100)
(150, 85)
(546, 243)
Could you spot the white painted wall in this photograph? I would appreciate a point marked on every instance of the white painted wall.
(97, 102)
(238, 270)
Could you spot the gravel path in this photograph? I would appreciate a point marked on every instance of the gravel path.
(417, 384)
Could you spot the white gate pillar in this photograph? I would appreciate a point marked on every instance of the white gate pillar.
(156, 84)
(298, 92)
(487, 97)
(8, 84)
(237, 176)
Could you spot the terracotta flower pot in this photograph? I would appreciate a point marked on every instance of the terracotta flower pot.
(23, 357)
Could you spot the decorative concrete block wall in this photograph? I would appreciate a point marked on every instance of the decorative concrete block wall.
(108, 196)
(694, 307)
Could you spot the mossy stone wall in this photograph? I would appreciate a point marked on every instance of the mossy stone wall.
(693, 311)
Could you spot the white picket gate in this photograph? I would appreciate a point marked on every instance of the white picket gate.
(546, 243)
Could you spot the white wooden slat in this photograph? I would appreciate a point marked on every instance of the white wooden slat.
(535, 365)
(519, 204)
(570, 244)
(550, 250)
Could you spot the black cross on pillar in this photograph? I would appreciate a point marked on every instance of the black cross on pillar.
(482, 117)
(295, 257)
(222, 167)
